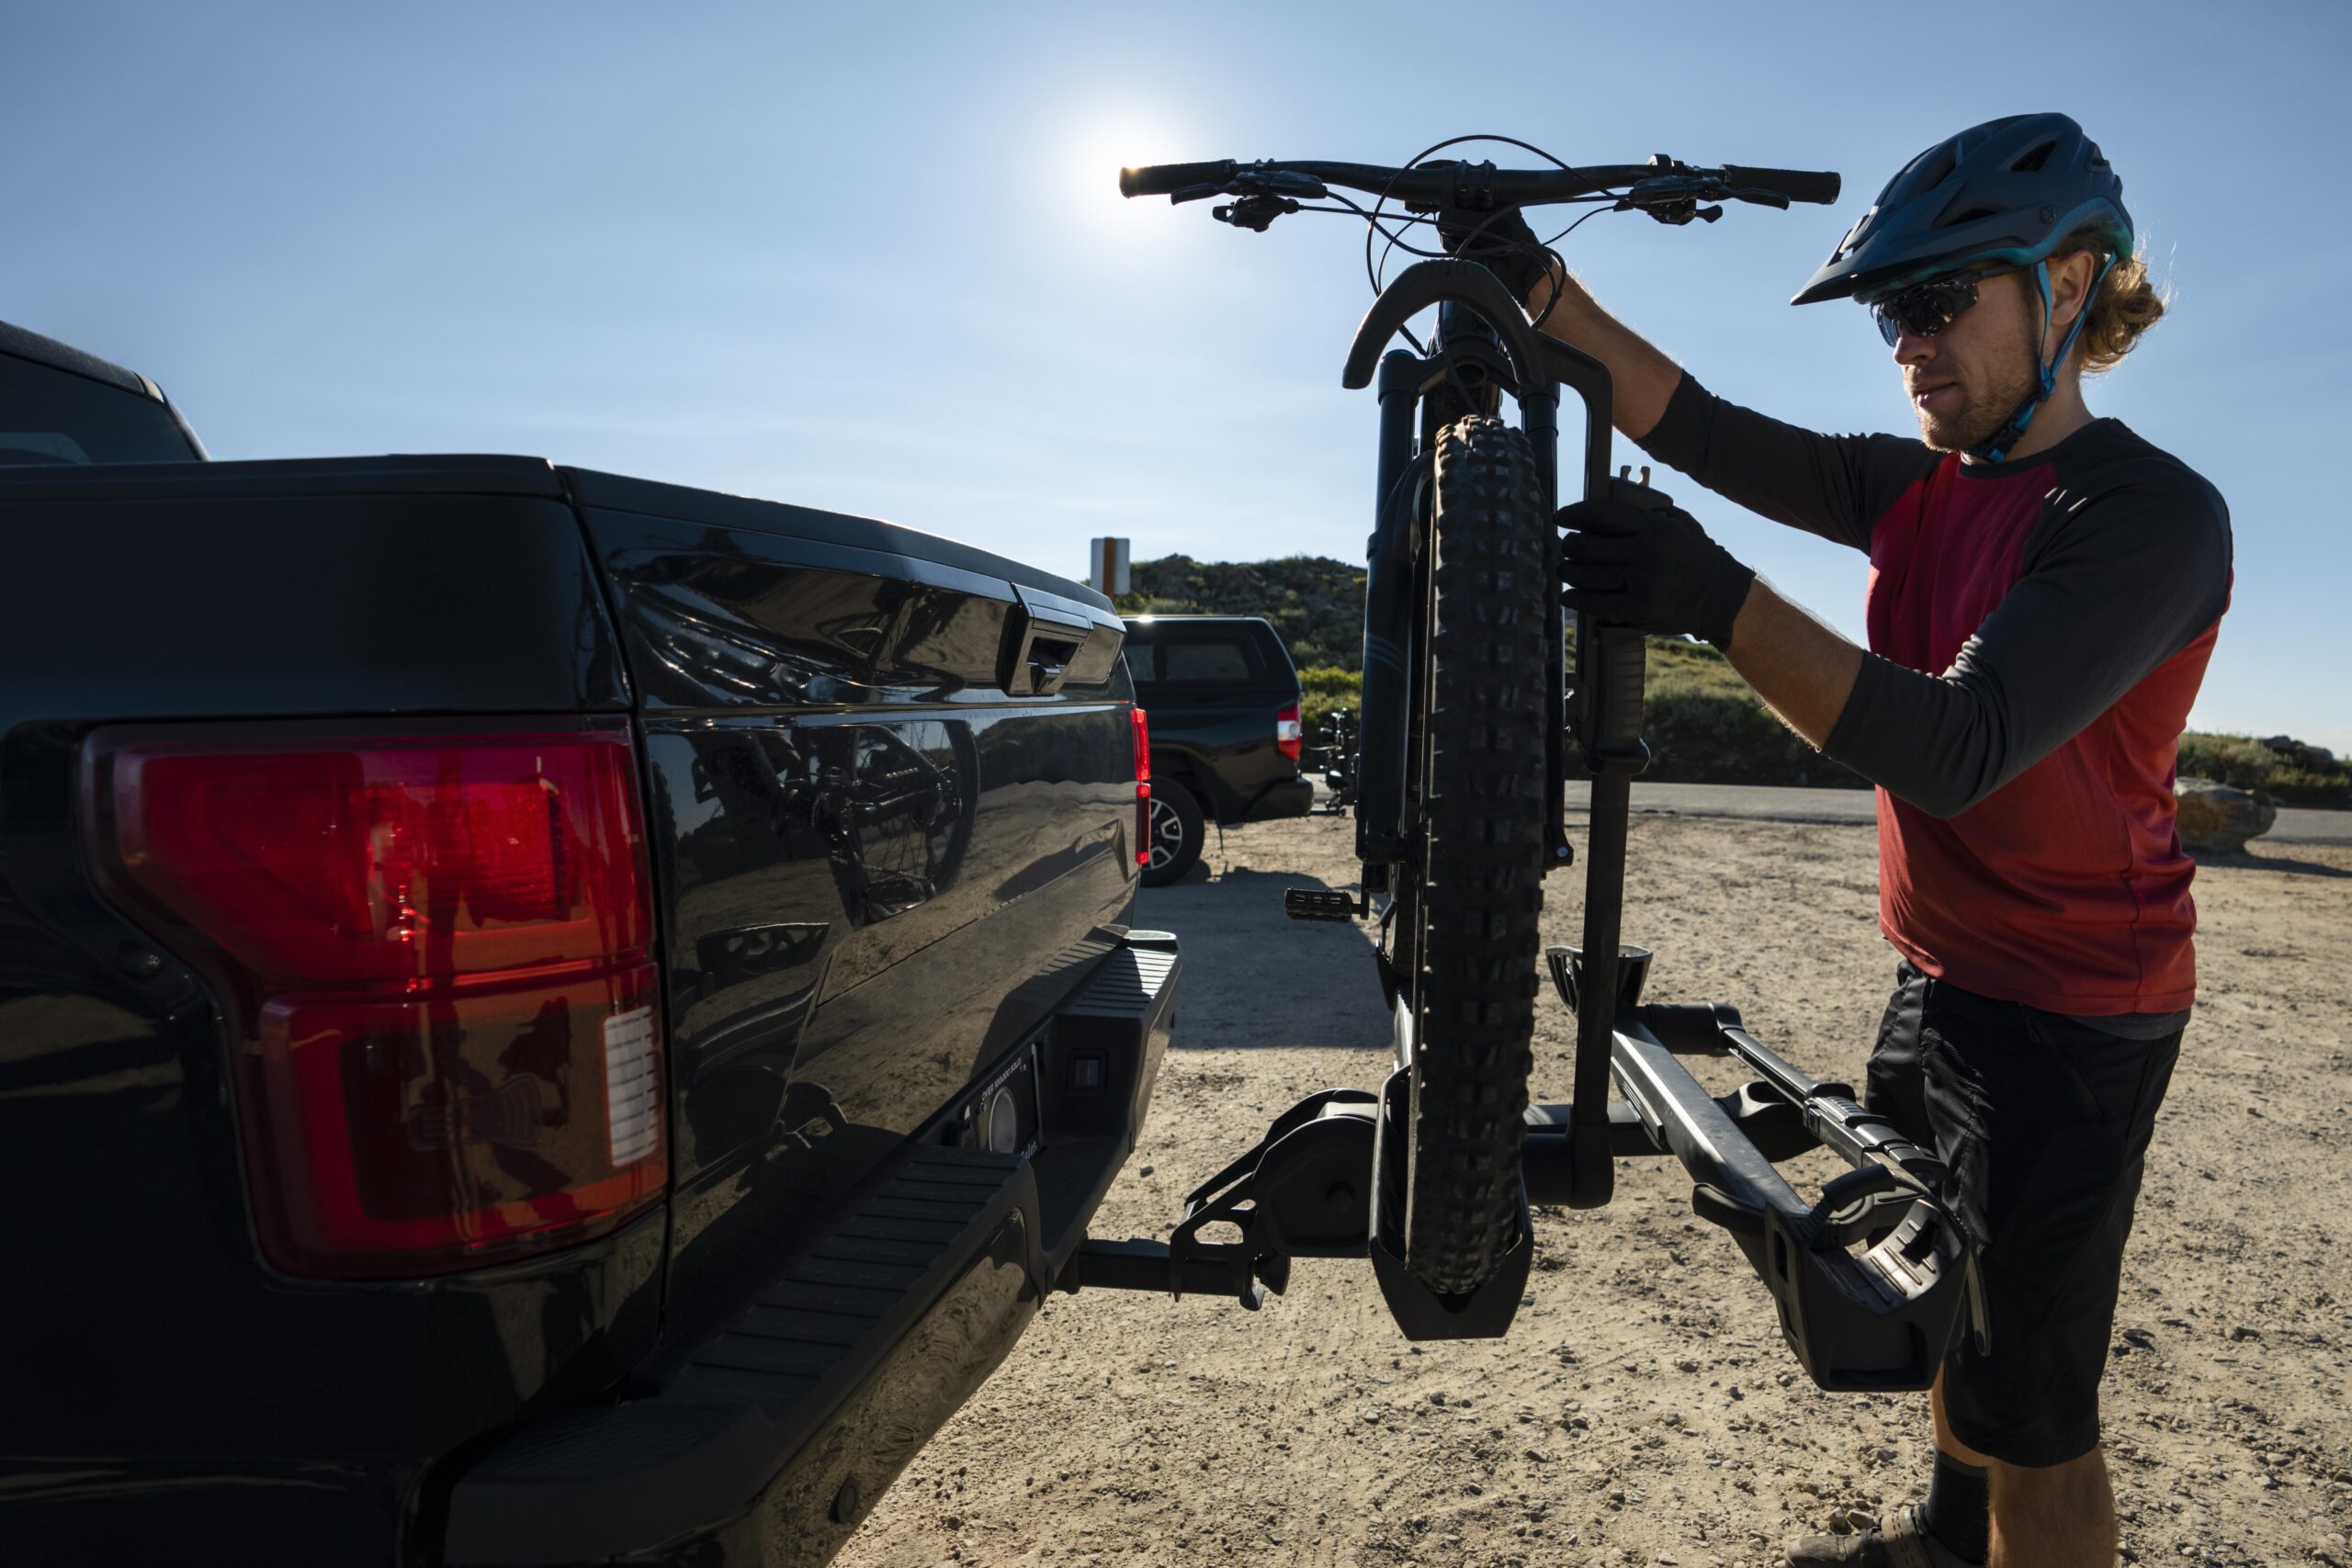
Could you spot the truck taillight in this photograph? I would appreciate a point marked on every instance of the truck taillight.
(439, 949)
(1287, 733)
(1143, 788)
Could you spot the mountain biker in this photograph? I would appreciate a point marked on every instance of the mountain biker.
(2045, 590)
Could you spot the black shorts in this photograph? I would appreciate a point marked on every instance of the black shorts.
(2044, 1123)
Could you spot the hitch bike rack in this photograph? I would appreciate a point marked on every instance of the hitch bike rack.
(1868, 1282)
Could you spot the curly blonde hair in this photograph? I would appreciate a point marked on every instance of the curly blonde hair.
(2128, 303)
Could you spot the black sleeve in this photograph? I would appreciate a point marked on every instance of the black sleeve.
(1834, 486)
(2113, 590)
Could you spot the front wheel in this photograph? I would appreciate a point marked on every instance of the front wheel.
(1480, 764)
(1176, 831)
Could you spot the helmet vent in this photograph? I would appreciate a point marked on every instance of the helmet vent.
(1942, 162)
(2033, 158)
(1969, 214)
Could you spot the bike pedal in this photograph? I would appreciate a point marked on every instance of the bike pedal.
(1319, 904)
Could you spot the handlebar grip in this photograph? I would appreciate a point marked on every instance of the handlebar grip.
(1797, 184)
(1161, 179)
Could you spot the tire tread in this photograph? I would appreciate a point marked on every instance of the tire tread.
(1482, 854)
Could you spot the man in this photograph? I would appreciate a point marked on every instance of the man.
(2045, 589)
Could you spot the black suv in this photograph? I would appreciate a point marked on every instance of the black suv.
(1222, 699)
(59, 406)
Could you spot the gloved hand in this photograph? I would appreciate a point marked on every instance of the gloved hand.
(1650, 565)
(1499, 240)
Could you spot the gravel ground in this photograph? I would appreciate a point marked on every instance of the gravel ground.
(1643, 1409)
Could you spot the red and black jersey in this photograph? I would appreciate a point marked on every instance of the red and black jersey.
(2038, 631)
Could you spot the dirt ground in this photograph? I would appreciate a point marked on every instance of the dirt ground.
(1643, 1409)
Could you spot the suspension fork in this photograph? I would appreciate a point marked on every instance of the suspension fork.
(1381, 736)
(1466, 367)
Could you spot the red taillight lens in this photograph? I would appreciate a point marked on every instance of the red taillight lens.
(1287, 733)
(387, 862)
(444, 948)
(1143, 788)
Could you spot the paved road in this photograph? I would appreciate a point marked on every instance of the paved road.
(2296, 824)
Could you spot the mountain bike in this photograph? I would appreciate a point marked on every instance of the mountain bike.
(1469, 713)
(1468, 706)
(1335, 759)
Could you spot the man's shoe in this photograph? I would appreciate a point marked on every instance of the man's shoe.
(1902, 1542)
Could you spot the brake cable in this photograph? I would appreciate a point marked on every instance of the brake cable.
(1674, 196)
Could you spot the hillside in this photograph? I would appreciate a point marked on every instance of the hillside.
(1314, 602)
(1704, 724)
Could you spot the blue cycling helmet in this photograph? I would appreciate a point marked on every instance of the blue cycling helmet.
(2006, 193)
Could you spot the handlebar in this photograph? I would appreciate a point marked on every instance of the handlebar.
(1432, 184)
(1472, 185)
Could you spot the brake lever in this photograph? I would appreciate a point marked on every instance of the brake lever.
(1762, 198)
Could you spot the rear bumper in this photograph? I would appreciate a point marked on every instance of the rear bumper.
(769, 1439)
(1289, 798)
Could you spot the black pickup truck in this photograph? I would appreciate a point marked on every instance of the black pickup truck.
(544, 1017)
(1224, 700)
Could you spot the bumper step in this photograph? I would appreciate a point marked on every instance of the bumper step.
(598, 1483)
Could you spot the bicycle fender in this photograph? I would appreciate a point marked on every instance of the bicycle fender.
(1428, 283)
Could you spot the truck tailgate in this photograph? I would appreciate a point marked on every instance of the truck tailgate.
(892, 815)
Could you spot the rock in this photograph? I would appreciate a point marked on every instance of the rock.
(2218, 820)
(2319, 759)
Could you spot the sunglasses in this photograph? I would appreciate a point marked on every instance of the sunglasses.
(1926, 309)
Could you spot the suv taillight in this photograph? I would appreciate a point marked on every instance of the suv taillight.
(1143, 788)
(1287, 733)
(440, 954)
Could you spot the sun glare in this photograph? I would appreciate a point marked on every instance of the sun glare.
(1098, 149)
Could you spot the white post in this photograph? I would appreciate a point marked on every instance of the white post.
(1109, 562)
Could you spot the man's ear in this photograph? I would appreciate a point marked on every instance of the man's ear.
(2070, 284)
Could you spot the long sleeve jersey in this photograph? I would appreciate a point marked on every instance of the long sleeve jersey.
(2038, 631)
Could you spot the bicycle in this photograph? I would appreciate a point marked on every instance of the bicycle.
(1466, 714)
(1335, 756)
(1461, 767)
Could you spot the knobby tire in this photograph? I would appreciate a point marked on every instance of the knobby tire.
(1481, 767)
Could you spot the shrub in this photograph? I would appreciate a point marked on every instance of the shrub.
(2297, 775)
(1324, 687)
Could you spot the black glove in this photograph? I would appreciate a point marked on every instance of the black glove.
(1500, 241)
(1637, 560)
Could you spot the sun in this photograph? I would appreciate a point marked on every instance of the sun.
(1098, 147)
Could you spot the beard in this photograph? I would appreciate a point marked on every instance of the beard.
(1981, 400)
(1978, 406)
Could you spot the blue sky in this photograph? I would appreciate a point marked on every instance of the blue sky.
(873, 258)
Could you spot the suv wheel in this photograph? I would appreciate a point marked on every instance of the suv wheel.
(1176, 834)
